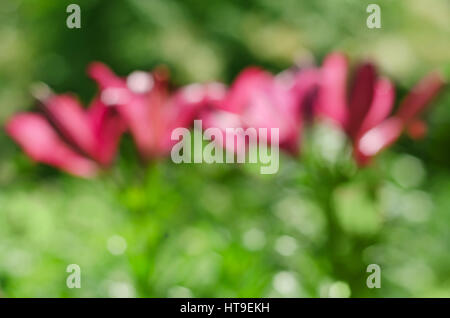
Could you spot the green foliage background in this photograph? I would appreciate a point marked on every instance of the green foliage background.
(225, 230)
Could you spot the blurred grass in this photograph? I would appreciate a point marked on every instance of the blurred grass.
(224, 231)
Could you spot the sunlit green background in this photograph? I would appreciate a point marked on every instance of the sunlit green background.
(165, 230)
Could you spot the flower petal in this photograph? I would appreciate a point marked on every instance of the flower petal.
(360, 98)
(420, 96)
(249, 80)
(333, 92)
(104, 77)
(381, 106)
(182, 108)
(72, 121)
(305, 88)
(377, 139)
(133, 107)
(38, 139)
(107, 126)
(138, 118)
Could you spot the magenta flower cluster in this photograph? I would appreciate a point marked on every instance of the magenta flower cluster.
(84, 141)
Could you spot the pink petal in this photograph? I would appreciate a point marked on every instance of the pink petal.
(304, 89)
(179, 111)
(107, 126)
(333, 92)
(137, 115)
(133, 108)
(71, 120)
(183, 107)
(38, 139)
(381, 106)
(377, 139)
(198, 96)
(360, 98)
(248, 80)
(420, 96)
(103, 75)
(268, 108)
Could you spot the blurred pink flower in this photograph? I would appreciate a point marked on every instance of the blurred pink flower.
(149, 110)
(81, 141)
(364, 113)
(68, 137)
(257, 99)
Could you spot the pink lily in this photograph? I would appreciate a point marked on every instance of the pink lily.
(68, 137)
(150, 112)
(364, 113)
